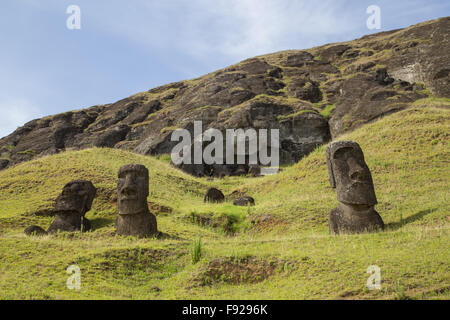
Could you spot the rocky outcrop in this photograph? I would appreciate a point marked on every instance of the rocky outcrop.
(310, 96)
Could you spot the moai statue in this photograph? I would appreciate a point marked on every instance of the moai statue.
(134, 218)
(71, 205)
(349, 174)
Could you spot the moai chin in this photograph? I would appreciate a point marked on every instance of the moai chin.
(134, 218)
(349, 174)
(71, 206)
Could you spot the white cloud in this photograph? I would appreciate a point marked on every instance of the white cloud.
(225, 29)
(15, 113)
(264, 26)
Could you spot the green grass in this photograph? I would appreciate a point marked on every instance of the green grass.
(326, 113)
(293, 115)
(433, 101)
(196, 251)
(407, 153)
(28, 152)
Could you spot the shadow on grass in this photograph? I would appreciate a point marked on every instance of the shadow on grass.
(97, 223)
(417, 216)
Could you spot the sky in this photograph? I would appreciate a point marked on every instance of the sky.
(125, 47)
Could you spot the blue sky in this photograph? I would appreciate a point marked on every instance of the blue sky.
(124, 47)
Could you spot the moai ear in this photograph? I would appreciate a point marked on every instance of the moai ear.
(330, 167)
(92, 194)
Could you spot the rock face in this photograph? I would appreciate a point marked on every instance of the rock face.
(134, 217)
(351, 177)
(310, 96)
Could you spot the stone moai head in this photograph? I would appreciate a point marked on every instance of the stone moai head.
(76, 196)
(349, 174)
(132, 189)
(71, 205)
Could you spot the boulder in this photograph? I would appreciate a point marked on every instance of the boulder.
(3, 163)
(35, 231)
(254, 170)
(298, 59)
(214, 195)
(244, 201)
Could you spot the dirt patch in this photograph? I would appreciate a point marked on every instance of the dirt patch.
(157, 208)
(204, 220)
(236, 271)
(350, 294)
(131, 260)
(227, 223)
(267, 222)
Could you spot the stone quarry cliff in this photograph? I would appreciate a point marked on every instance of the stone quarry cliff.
(310, 95)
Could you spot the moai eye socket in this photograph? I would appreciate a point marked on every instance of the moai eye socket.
(343, 153)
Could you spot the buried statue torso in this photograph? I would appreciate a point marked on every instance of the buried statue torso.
(345, 219)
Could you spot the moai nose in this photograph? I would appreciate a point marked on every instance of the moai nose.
(130, 185)
(356, 171)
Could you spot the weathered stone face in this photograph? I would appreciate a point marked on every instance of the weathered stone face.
(349, 174)
(134, 217)
(132, 189)
(71, 205)
(76, 196)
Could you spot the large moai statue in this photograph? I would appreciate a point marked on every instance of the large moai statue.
(349, 174)
(71, 206)
(134, 217)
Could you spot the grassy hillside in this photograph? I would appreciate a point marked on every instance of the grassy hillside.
(279, 249)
